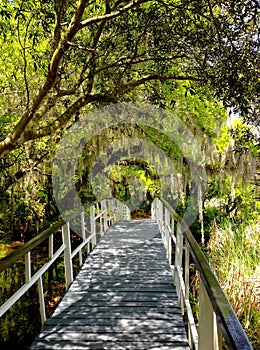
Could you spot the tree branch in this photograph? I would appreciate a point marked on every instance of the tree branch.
(11, 141)
(112, 15)
(59, 8)
(148, 78)
(134, 60)
(63, 119)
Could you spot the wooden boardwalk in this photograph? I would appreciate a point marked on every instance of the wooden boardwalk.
(122, 298)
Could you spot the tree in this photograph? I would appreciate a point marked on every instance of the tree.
(61, 57)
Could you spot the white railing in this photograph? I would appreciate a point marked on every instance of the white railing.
(216, 318)
(103, 214)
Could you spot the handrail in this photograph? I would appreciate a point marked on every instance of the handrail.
(34, 242)
(28, 246)
(108, 205)
(234, 335)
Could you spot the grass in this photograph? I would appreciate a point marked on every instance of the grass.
(234, 256)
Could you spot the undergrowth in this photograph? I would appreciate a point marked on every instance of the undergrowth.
(234, 256)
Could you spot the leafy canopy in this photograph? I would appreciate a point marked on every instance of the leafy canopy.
(59, 57)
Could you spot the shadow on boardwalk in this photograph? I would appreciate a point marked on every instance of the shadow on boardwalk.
(122, 298)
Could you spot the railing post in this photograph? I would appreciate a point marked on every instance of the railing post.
(177, 278)
(209, 334)
(51, 246)
(41, 301)
(104, 209)
(28, 275)
(178, 251)
(167, 232)
(187, 271)
(153, 209)
(114, 210)
(83, 235)
(93, 225)
(128, 213)
(156, 210)
(125, 212)
(122, 211)
(170, 248)
(119, 211)
(83, 231)
(173, 239)
(67, 255)
(100, 218)
(82, 222)
(111, 211)
(160, 215)
(116, 213)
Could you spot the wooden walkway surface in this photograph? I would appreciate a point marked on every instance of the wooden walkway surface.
(122, 298)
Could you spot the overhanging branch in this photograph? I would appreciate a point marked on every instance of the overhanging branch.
(148, 78)
(112, 15)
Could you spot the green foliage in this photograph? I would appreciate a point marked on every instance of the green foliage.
(51, 69)
(161, 140)
(210, 215)
(7, 121)
(195, 105)
(86, 194)
(26, 190)
(234, 255)
(244, 138)
(123, 174)
(231, 217)
(223, 140)
(241, 206)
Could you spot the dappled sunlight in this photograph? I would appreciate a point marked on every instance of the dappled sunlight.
(123, 297)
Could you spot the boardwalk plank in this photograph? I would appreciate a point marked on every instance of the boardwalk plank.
(117, 337)
(108, 328)
(122, 298)
(124, 322)
(108, 345)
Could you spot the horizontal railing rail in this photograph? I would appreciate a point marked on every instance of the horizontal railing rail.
(104, 213)
(216, 318)
(29, 246)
